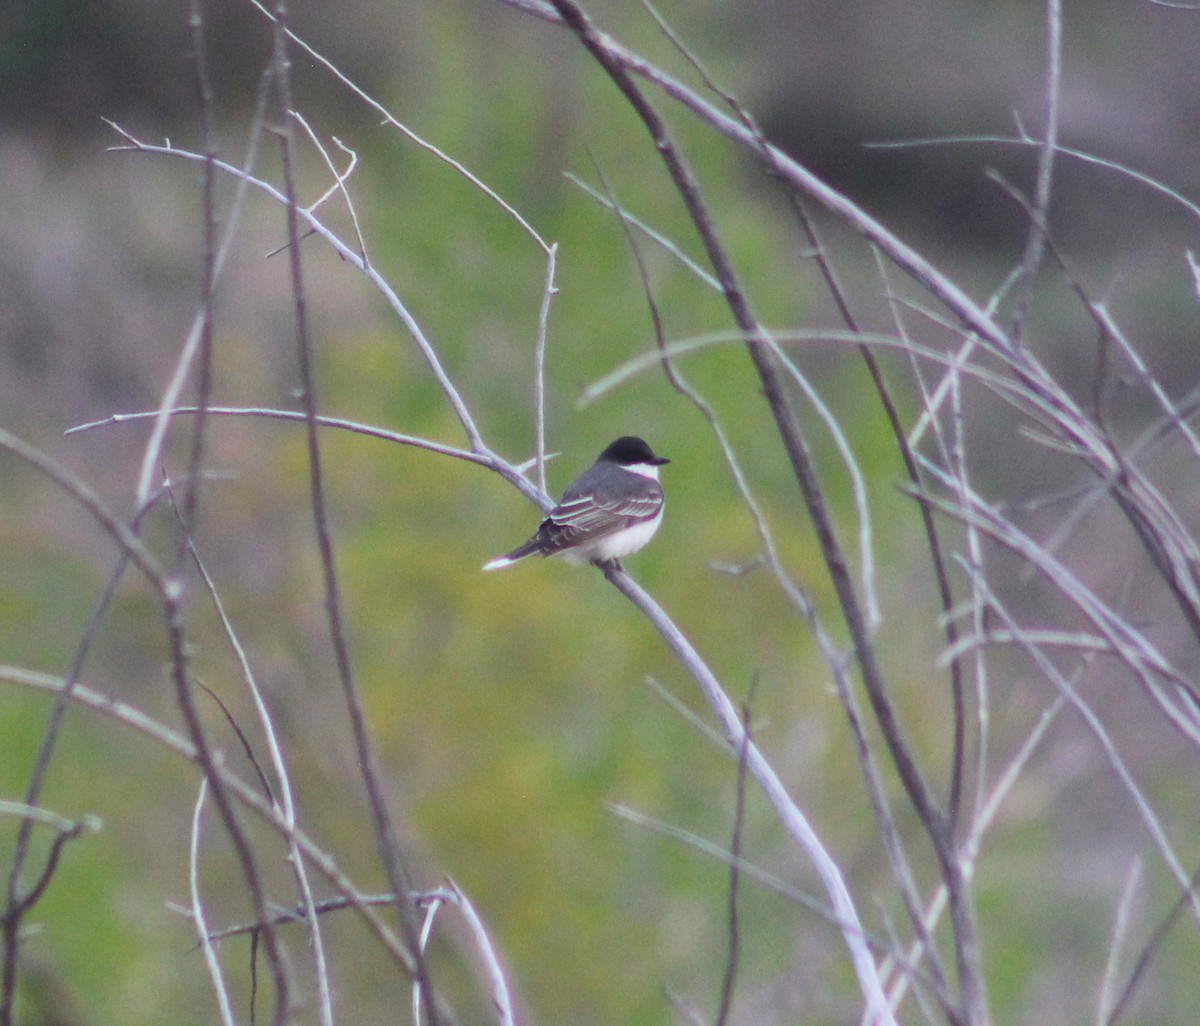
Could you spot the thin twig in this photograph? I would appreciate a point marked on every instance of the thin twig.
(1187, 897)
(549, 290)
(296, 416)
(660, 240)
(339, 181)
(47, 817)
(735, 857)
(1035, 243)
(152, 456)
(197, 912)
(286, 800)
(933, 541)
(1024, 141)
(752, 871)
(385, 835)
(501, 998)
(33, 895)
(207, 760)
(1119, 934)
(16, 903)
(204, 351)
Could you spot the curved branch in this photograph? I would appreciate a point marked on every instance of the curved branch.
(793, 820)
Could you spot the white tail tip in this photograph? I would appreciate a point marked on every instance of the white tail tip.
(499, 563)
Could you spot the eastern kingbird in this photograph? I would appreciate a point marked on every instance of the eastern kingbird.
(611, 510)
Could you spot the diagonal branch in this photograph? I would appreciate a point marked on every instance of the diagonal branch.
(793, 820)
(804, 471)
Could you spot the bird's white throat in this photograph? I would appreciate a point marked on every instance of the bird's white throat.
(649, 470)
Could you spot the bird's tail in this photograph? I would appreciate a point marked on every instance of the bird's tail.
(520, 552)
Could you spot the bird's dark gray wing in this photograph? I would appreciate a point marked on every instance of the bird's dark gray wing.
(582, 517)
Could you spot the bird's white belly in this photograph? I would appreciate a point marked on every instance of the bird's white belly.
(614, 546)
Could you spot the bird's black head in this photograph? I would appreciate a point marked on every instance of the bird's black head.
(628, 450)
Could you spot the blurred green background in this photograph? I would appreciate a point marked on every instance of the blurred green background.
(509, 709)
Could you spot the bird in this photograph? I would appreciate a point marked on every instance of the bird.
(611, 510)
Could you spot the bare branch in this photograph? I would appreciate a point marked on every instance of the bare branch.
(735, 857)
(216, 974)
(339, 180)
(539, 372)
(487, 951)
(1035, 244)
(286, 802)
(790, 816)
(1120, 931)
(385, 835)
(248, 796)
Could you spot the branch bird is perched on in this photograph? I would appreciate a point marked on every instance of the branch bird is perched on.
(611, 510)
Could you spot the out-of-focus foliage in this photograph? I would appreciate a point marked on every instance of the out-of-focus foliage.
(508, 709)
